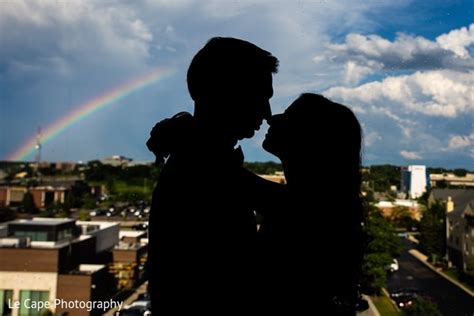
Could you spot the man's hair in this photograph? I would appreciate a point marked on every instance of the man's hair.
(223, 63)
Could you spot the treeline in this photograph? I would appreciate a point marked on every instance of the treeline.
(379, 178)
(269, 167)
(134, 175)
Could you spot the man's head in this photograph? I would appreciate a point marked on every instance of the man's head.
(230, 81)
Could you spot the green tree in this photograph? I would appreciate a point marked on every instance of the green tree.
(401, 217)
(381, 177)
(110, 187)
(28, 203)
(268, 167)
(88, 201)
(383, 245)
(460, 172)
(423, 199)
(442, 184)
(433, 231)
(422, 307)
(84, 215)
(370, 196)
(6, 214)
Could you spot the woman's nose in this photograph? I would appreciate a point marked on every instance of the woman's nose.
(274, 118)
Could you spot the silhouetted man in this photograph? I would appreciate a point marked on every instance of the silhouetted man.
(202, 223)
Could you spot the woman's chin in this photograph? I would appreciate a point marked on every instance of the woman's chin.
(269, 146)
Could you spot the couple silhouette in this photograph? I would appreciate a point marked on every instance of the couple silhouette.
(206, 255)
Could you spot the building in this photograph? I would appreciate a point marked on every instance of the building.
(12, 195)
(414, 180)
(459, 205)
(46, 195)
(387, 208)
(116, 161)
(278, 177)
(54, 191)
(452, 180)
(45, 259)
(42, 196)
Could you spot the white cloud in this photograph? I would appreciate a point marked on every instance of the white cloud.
(412, 155)
(458, 40)
(371, 138)
(90, 40)
(435, 93)
(459, 141)
(59, 35)
(365, 54)
(355, 72)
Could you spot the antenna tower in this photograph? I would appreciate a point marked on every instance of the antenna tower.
(38, 148)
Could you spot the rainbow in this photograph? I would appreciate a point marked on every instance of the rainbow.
(86, 109)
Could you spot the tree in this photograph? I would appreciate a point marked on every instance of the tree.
(382, 177)
(433, 231)
(88, 201)
(383, 245)
(28, 203)
(268, 167)
(84, 216)
(401, 217)
(6, 214)
(460, 172)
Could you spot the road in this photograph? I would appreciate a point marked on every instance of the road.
(451, 300)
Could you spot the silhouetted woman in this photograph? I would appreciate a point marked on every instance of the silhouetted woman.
(312, 244)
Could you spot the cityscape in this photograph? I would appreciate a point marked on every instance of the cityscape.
(84, 83)
(77, 233)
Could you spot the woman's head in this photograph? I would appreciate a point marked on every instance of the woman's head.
(316, 130)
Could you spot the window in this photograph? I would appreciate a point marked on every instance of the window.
(35, 236)
(6, 297)
(65, 234)
(27, 298)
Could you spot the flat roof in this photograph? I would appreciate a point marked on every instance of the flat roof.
(43, 221)
(131, 233)
(90, 267)
(101, 224)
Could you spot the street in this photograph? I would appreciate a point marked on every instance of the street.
(450, 299)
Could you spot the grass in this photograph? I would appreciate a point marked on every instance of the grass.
(123, 187)
(384, 305)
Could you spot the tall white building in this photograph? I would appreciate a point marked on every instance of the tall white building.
(414, 180)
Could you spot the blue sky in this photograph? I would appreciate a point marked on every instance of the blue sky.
(406, 68)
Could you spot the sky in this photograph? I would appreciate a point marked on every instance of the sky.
(406, 69)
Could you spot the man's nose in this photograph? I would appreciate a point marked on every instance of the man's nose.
(272, 119)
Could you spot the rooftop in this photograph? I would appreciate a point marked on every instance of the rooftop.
(43, 221)
(131, 233)
(460, 197)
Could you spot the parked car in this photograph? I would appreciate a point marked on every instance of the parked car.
(404, 291)
(134, 311)
(393, 266)
(408, 299)
(98, 212)
(405, 300)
